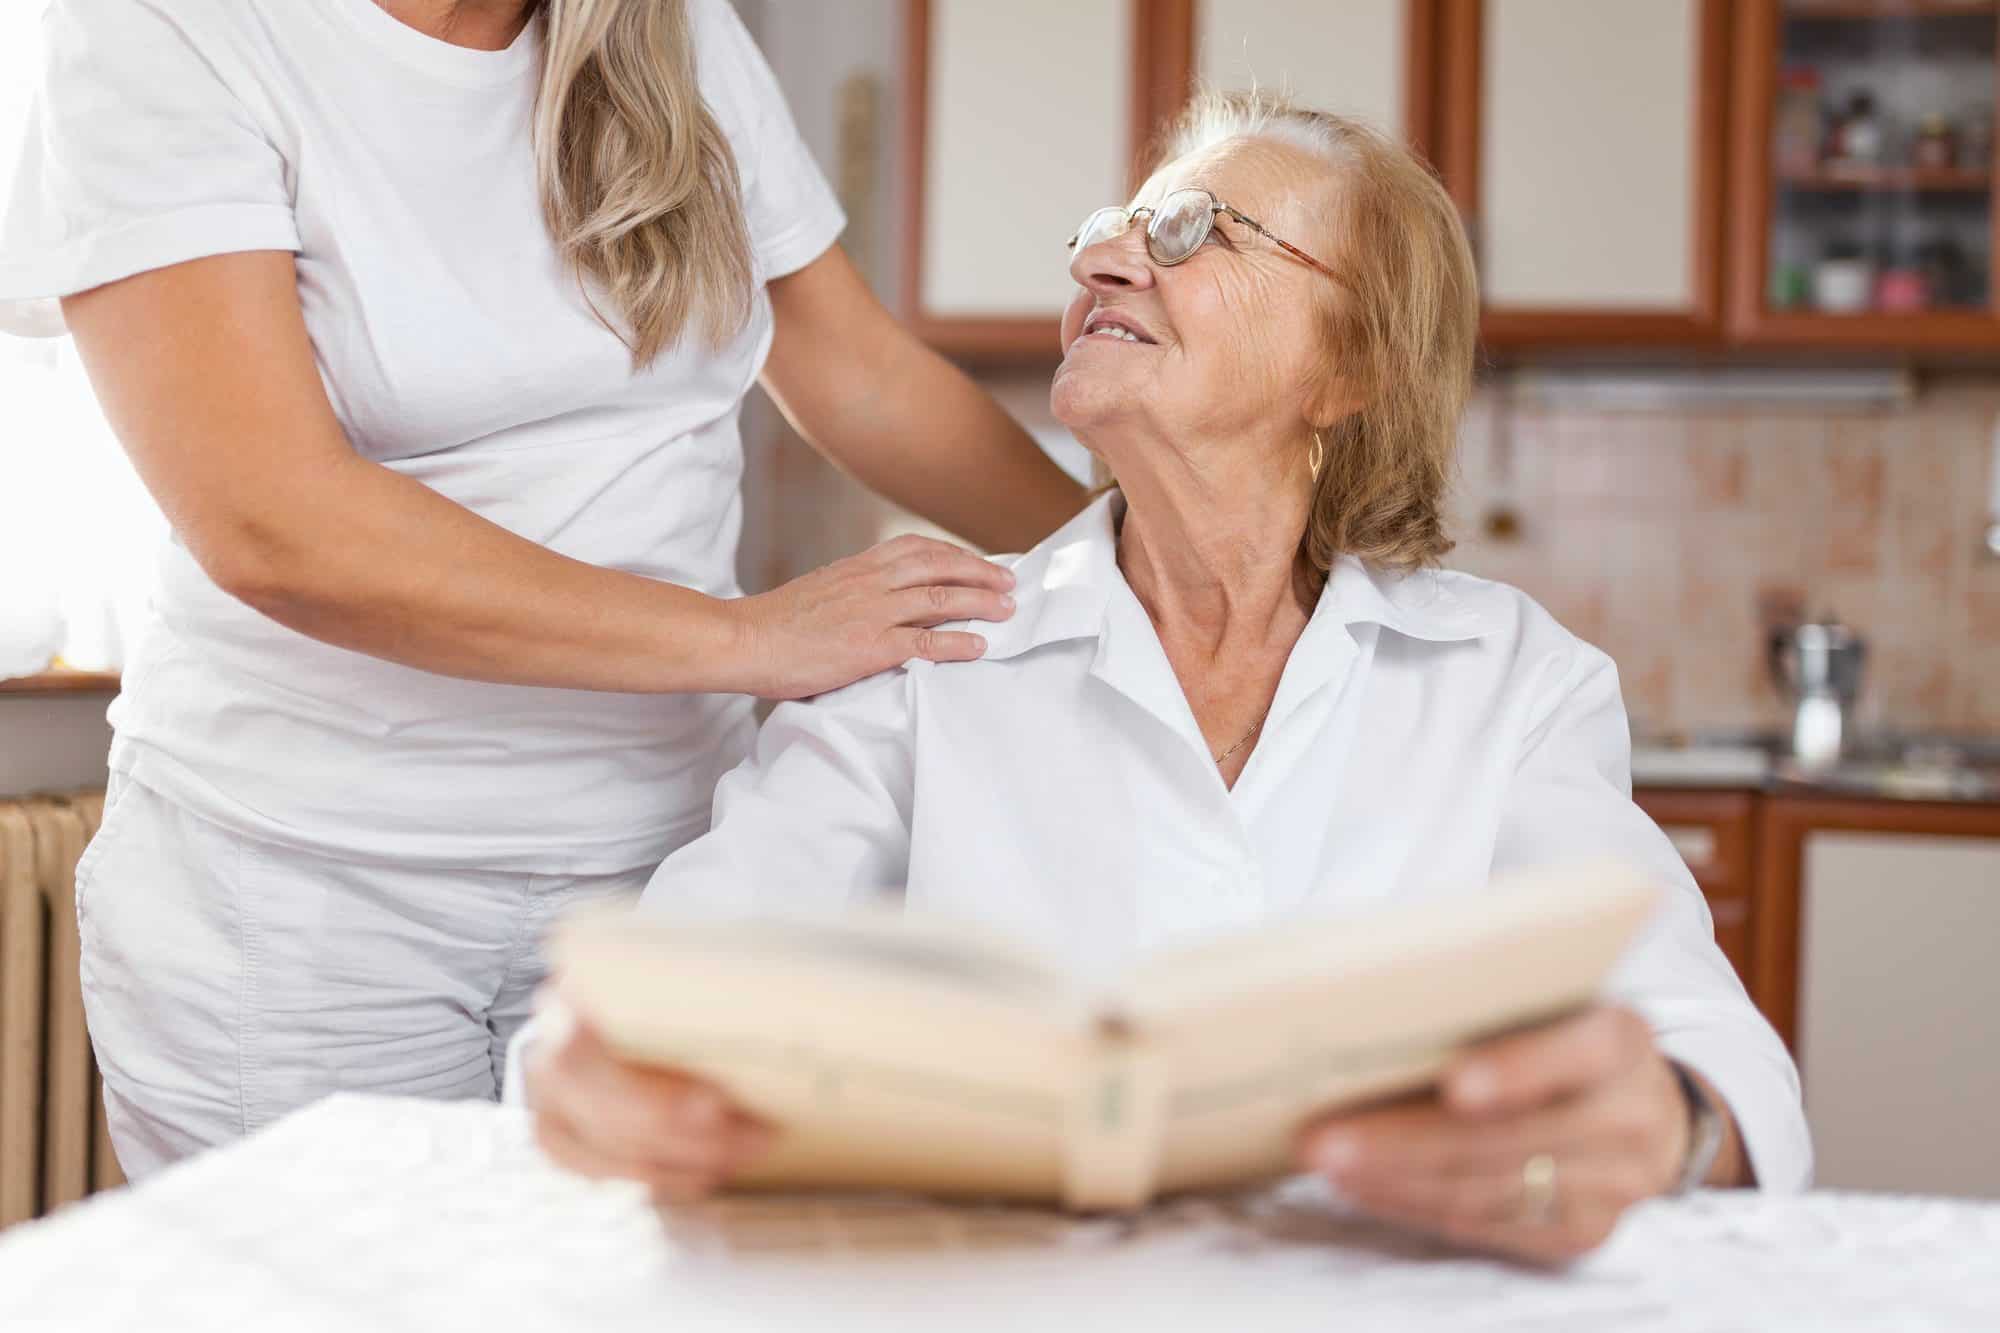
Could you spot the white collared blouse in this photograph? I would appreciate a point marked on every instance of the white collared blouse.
(1429, 732)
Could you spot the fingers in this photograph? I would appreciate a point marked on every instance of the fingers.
(1426, 1138)
(937, 603)
(567, 1148)
(603, 1116)
(1590, 1092)
(937, 645)
(1572, 1232)
(1534, 1068)
(915, 562)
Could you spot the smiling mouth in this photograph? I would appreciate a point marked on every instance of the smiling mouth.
(1103, 326)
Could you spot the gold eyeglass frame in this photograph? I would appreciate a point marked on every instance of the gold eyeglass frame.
(1216, 208)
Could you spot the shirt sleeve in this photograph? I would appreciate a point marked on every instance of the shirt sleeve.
(817, 816)
(1572, 798)
(135, 155)
(792, 212)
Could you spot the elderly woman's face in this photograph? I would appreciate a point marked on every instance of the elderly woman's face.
(1230, 341)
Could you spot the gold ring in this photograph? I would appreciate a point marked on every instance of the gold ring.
(1538, 1189)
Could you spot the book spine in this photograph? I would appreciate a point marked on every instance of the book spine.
(1115, 1128)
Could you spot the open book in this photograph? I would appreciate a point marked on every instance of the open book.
(908, 1052)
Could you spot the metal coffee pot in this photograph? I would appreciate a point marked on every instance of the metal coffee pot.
(1818, 666)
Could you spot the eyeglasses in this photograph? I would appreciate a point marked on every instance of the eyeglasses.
(1177, 228)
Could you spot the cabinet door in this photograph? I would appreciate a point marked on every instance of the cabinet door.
(1368, 58)
(1863, 207)
(1584, 139)
(1897, 997)
(1020, 121)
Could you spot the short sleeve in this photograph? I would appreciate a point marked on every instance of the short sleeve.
(136, 154)
(792, 211)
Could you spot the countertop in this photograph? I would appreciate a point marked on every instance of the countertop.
(385, 1214)
(1888, 766)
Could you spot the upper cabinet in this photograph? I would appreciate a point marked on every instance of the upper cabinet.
(1706, 176)
(1863, 174)
(1367, 58)
(1583, 140)
(1024, 116)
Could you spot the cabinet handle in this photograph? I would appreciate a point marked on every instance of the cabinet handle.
(1729, 911)
(1695, 843)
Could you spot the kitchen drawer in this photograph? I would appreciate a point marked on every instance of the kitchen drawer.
(1714, 831)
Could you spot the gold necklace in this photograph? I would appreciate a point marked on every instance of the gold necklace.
(1246, 737)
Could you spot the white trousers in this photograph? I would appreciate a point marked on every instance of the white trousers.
(228, 981)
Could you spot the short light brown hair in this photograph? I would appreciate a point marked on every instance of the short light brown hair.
(1401, 334)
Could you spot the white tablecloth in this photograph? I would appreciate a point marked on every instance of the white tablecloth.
(377, 1214)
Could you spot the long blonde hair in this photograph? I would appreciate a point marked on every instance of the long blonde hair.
(638, 184)
(1401, 335)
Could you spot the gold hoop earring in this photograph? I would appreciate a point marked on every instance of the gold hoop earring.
(1316, 456)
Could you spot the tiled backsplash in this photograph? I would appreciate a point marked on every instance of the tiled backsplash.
(1666, 538)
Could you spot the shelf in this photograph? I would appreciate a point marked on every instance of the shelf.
(63, 681)
(1890, 9)
(1890, 180)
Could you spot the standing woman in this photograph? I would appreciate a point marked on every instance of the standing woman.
(428, 323)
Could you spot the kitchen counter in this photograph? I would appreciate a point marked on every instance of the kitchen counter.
(1883, 767)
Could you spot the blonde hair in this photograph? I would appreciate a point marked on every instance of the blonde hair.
(1400, 336)
(638, 184)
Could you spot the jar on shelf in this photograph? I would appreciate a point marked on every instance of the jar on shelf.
(1902, 288)
(1859, 136)
(1936, 146)
(1843, 280)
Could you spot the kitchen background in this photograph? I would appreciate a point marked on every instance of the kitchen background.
(1741, 344)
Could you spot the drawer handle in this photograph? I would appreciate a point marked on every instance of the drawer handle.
(1695, 843)
(1729, 912)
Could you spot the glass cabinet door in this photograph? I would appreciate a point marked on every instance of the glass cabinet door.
(1878, 167)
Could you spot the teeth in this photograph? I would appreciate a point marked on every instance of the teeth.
(1114, 331)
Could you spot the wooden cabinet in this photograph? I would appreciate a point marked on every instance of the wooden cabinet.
(1863, 209)
(1785, 824)
(1715, 833)
(1672, 174)
(1376, 59)
(1020, 118)
(1583, 140)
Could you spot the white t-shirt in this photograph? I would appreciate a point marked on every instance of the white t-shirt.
(455, 350)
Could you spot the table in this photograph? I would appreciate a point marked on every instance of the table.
(366, 1213)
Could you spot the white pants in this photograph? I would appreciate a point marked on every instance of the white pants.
(228, 981)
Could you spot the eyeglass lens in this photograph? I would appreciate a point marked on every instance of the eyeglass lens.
(1176, 228)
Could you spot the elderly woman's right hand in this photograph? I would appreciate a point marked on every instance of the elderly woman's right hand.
(868, 613)
(605, 1117)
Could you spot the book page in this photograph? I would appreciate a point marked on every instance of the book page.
(1259, 1033)
(891, 1052)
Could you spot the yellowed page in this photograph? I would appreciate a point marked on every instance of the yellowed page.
(892, 1053)
(1259, 1033)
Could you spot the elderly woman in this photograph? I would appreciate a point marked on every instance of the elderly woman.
(1236, 687)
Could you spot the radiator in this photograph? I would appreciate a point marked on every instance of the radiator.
(54, 1148)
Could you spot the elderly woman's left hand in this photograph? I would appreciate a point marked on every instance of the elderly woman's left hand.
(1590, 1095)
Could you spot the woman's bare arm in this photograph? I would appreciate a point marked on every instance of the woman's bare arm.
(207, 375)
(902, 419)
